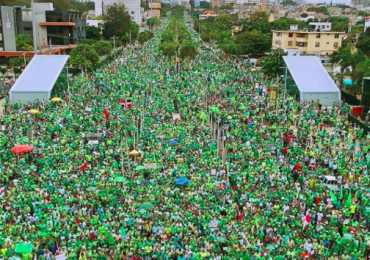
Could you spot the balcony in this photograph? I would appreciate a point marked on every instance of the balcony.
(63, 24)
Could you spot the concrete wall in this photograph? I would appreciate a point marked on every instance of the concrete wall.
(40, 16)
(9, 28)
(26, 97)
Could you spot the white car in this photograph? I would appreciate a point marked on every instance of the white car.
(331, 182)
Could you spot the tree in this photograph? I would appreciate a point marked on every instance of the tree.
(363, 42)
(273, 64)
(84, 56)
(205, 5)
(304, 15)
(339, 24)
(16, 62)
(168, 48)
(231, 47)
(362, 70)
(259, 16)
(64, 5)
(254, 42)
(289, 2)
(117, 21)
(102, 48)
(90, 5)
(24, 42)
(93, 32)
(153, 21)
(145, 36)
(284, 23)
(188, 49)
(347, 57)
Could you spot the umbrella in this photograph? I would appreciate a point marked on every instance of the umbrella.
(56, 99)
(24, 248)
(139, 168)
(182, 181)
(133, 152)
(147, 206)
(33, 111)
(174, 143)
(22, 149)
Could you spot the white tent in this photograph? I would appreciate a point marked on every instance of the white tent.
(313, 81)
(38, 79)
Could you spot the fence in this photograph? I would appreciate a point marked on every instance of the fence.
(350, 99)
(359, 123)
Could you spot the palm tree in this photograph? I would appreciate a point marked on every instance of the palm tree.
(188, 49)
(230, 47)
(347, 57)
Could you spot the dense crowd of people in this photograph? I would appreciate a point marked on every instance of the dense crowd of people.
(255, 172)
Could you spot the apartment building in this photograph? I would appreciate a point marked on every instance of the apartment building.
(310, 43)
(302, 42)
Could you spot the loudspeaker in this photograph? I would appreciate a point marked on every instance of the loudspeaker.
(367, 85)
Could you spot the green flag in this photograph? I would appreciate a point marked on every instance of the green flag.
(349, 200)
(341, 194)
(333, 197)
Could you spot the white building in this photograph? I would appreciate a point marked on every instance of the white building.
(133, 8)
(321, 27)
(367, 23)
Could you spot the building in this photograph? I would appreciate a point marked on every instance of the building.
(321, 44)
(217, 3)
(65, 27)
(61, 27)
(309, 43)
(207, 14)
(367, 23)
(360, 2)
(320, 27)
(133, 8)
(8, 30)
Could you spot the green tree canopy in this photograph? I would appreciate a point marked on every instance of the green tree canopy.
(93, 33)
(24, 42)
(84, 56)
(259, 16)
(116, 21)
(273, 64)
(102, 48)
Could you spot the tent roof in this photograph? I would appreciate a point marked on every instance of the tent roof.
(40, 74)
(310, 75)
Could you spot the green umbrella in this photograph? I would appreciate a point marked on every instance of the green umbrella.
(147, 206)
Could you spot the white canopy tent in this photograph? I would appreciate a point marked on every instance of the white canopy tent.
(38, 79)
(313, 81)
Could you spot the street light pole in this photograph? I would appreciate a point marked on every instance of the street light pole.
(34, 27)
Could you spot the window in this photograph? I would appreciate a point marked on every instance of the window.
(278, 43)
(132, 12)
(318, 36)
(291, 35)
(290, 43)
(317, 44)
(336, 45)
(279, 34)
(336, 36)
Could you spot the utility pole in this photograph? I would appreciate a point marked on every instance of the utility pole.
(114, 42)
(34, 28)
